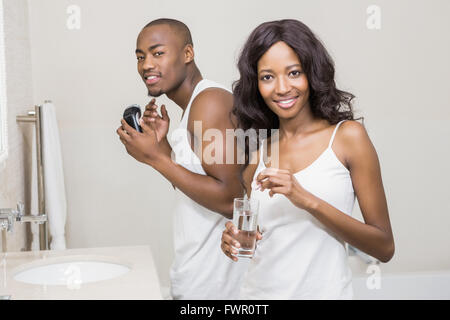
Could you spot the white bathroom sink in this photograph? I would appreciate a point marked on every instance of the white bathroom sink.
(70, 271)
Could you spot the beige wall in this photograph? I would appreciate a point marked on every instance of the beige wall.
(398, 73)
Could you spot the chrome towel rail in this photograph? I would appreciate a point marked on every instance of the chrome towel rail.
(35, 116)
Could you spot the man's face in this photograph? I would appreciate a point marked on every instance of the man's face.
(160, 59)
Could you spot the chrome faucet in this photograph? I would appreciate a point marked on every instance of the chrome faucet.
(8, 216)
(18, 215)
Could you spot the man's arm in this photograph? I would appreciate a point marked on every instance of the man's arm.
(216, 190)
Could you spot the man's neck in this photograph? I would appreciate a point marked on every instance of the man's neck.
(183, 93)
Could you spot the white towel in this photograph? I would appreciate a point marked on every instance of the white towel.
(55, 193)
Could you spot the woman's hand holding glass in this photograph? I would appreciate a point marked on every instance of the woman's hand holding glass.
(229, 243)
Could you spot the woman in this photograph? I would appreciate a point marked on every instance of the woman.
(325, 159)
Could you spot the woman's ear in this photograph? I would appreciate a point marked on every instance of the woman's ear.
(188, 53)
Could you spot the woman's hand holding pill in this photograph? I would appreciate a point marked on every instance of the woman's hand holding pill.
(280, 181)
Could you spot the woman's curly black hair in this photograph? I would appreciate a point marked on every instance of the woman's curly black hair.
(326, 101)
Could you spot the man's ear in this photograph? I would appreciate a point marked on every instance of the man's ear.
(188, 53)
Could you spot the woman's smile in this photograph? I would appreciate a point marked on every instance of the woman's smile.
(287, 102)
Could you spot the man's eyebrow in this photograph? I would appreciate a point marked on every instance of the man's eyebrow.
(288, 67)
(150, 48)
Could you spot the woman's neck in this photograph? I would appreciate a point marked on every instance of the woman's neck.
(303, 122)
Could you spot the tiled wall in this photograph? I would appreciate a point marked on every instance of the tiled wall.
(15, 171)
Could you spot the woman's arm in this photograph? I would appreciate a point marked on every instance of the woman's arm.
(374, 236)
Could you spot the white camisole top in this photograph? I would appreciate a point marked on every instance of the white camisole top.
(298, 257)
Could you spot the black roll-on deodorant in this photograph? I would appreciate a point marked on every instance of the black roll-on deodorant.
(132, 114)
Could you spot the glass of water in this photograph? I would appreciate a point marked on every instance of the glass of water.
(245, 216)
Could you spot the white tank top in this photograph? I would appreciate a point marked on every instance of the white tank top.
(200, 269)
(298, 257)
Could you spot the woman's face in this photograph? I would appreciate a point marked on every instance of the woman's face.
(281, 81)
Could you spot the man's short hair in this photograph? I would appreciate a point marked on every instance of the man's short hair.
(179, 27)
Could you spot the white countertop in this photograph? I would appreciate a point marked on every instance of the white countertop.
(140, 282)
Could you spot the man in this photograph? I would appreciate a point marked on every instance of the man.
(166, 64)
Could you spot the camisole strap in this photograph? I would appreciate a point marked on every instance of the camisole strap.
(261, 150)
(334, 133)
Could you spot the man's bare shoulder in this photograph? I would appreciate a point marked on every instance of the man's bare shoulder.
(212, 105)
(213, 100)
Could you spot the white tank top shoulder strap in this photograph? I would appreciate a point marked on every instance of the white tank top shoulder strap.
(198, 88)
(261, 150)
(201, 85)
(334, 133)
